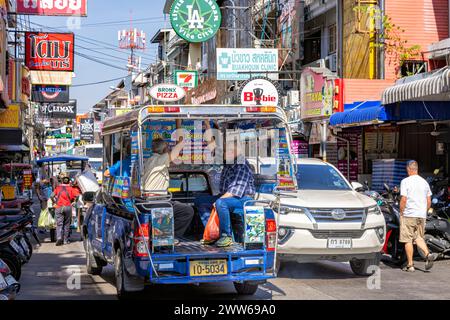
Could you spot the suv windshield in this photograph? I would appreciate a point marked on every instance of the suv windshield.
(320, 177)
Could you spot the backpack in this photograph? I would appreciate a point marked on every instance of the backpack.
(56, 200)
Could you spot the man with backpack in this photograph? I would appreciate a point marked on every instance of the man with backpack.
(62, 197)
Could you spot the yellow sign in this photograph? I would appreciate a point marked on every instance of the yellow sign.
(11, 117)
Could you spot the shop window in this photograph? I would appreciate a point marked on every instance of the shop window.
(412, 67)
(312, 47)
(332, 36)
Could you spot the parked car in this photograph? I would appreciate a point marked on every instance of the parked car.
(327, 219)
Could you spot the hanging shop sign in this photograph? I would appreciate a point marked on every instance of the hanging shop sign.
(10, 118)
(60, 78)
(59, 111)
(167, 92)
(87, 129)
(50, 94)
(317, 94)
(52, 7)
(257, 61)
(25, 85)
(186, 79)
(348, 158)
(260, 92)
(49, 51)
(195, 20)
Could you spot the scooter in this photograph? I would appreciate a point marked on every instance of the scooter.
(437, 234)
(9, 287)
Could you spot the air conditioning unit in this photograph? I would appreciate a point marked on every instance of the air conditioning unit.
(293, 98)
(331, 62)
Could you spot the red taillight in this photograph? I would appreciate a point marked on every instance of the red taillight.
(141, 236)
(271, 234)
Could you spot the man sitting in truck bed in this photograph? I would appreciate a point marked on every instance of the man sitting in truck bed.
(156, 179)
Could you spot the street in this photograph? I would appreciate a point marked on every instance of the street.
(47, 274)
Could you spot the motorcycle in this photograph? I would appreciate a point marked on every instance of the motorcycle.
(9, 287)
(437, 234)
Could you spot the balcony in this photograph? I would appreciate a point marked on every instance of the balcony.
(315, 8)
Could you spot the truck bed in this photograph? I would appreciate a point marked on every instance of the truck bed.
(187, 246)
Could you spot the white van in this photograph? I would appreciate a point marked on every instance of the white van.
(95, 154)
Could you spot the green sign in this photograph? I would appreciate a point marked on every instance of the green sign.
(195, 20)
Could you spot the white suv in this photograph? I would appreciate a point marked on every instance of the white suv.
(326, 219)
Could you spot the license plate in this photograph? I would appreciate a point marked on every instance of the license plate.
(208, 268)
(339, 243)
(16, 247)
(3, 284)
(10, 280)
(24, 245)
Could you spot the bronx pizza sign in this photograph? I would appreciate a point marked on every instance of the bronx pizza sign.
(167, 92)
(195, 20)
(49, 51)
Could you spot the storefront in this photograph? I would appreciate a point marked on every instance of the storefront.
(206, 92)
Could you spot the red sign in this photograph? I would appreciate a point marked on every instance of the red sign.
(52, 7)
(49, 51)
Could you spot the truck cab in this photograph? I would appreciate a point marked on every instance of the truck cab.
(132, 228)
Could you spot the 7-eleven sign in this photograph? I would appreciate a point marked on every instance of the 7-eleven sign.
(186, 79)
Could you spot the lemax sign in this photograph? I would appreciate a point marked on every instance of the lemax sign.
(186, 79)
(52, 7)
(317, 94)
(49, 51)
(252, 62)
(167, 92)
(195, 20)
(260, 92)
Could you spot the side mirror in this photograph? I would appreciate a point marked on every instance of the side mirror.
(436, 172)
(357, 186)
(386, 187)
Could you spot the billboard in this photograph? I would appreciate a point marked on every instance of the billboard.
(253, 62)
(186, 79)
(87, 129)
(50, 94)
(49, 51)
(10, 118)
(59, 111)
(52, 7)
(51, 78)
(260, 92)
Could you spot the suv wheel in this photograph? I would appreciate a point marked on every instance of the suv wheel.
(245, 288)
(362, 267)
(90, 259)
(119, 272)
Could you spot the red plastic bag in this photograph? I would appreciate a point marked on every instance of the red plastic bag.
(212, 231)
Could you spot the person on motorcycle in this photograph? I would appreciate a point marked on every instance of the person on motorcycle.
(414, 204)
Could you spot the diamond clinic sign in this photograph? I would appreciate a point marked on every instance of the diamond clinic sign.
(52, 7)
(195, 20)
(49, 51)
(252, 62)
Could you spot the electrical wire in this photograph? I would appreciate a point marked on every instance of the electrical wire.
(98, 82)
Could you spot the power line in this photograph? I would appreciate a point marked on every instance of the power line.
(98, 82)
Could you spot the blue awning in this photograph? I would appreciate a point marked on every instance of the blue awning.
(360, 113)
(62, 158)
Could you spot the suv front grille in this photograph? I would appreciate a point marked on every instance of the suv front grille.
(325, 234)
(324, 215)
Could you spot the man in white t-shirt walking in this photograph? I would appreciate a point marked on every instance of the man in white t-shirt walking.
(414, 205)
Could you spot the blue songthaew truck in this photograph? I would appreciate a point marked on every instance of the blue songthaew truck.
(133, 229)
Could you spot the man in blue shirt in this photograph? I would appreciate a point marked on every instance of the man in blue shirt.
(114, 170)
(237, 186)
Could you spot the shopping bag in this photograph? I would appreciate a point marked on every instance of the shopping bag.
(212, 231)
(46, 220)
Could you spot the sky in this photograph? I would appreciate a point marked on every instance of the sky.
(147, 15)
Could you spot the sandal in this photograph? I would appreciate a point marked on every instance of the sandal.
(409, 269)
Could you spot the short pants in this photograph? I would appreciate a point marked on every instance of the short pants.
(411, 229)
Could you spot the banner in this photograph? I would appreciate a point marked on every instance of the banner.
(87, 129)
(50, 94)
(51, 78)
(52, 7)
(230, 62)
(10, 118)
(49, 51)
(59, 111)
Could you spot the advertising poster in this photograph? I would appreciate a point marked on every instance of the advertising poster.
(300, 148)
(353, 135)
(49, 51)
(50, 94)
(162, 227)
(87, 129)
(255, 228)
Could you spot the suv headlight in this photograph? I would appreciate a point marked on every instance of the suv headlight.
(287, 210)
(374, 210)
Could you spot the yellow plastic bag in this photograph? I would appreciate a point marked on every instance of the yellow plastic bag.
(46, 220)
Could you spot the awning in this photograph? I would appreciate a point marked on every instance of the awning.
(14, 148)
(422, 87)
(360, 113)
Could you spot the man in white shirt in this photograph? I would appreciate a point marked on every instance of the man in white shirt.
(414, 205)
(156, 180)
